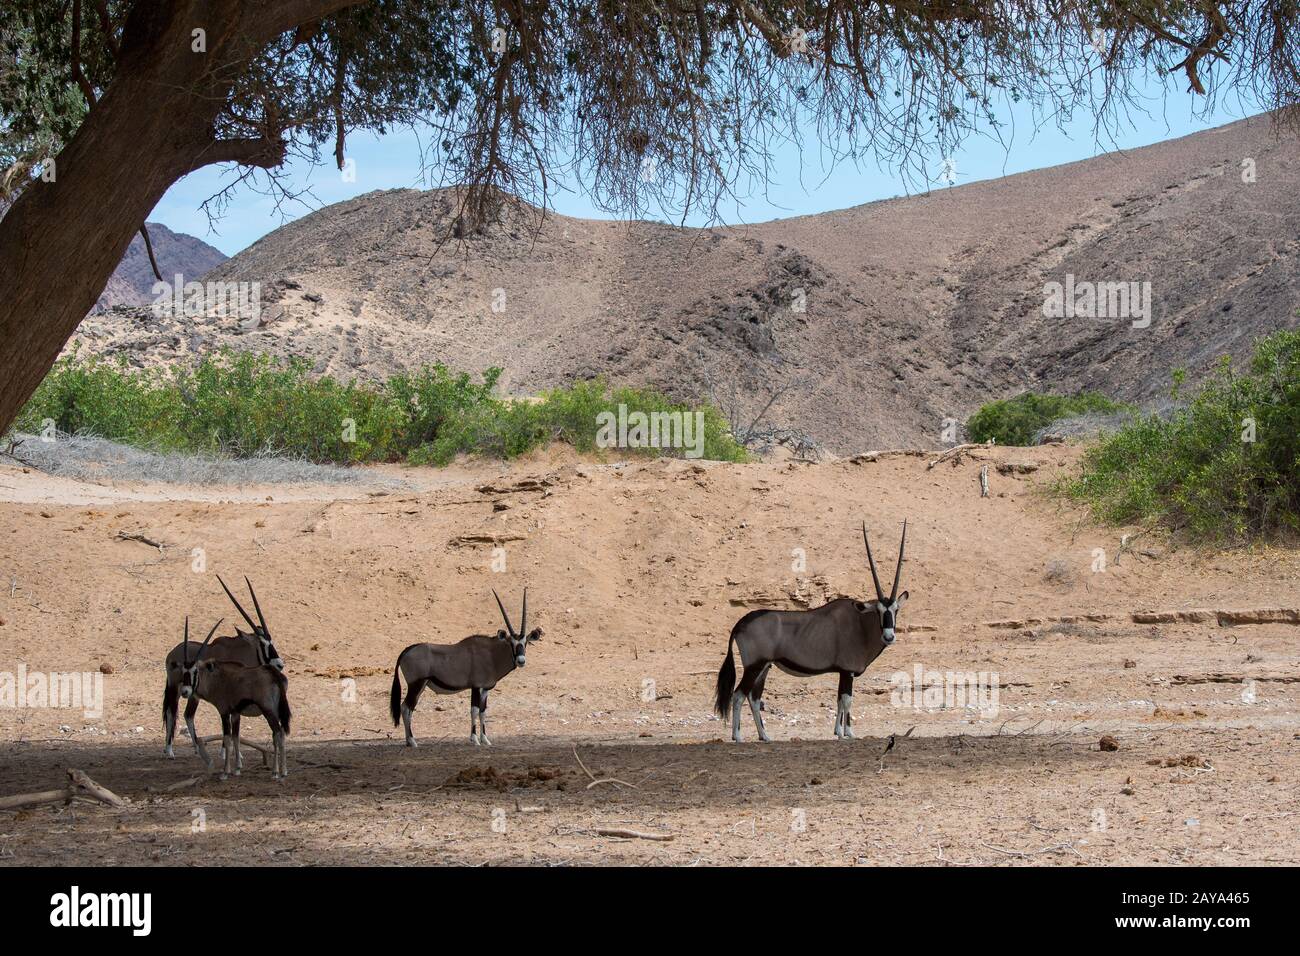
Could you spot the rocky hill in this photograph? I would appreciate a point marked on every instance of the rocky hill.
(132, 281)
(879, 321)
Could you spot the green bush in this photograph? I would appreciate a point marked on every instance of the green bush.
(1015, 421)
(241, 405)
(1227, 465)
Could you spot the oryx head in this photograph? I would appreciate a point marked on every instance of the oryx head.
(886, 608)
(520, 639)
(190, 667)
(266, 652)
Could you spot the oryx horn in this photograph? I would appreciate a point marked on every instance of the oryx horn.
(523, 616)
(239, 607)
(262, 617)
(880, 595)
(898, 572)
(204, 645)
(509, 627)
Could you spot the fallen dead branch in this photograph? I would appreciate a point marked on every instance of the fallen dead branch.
(630, 834)
(77, 783)
(266, 754)
(956, 454)
(594, 780)
(142, 538)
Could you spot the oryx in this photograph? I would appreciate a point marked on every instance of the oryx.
(235, 689)
(840, 637)
(475, 664)
(255, 648)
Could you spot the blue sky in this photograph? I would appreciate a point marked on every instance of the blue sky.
(802, 183)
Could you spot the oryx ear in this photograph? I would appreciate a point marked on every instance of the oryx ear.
(902, 599)
(502, 635)
(535, 635)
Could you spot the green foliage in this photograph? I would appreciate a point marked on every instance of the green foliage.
(241, 405)
(1200, 471)
(1014, 421)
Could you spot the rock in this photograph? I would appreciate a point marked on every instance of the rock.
(1108, 744)
(106, 668)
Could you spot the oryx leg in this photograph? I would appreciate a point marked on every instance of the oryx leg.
(281, 757)
(751, 679)
(474, 712)
(279, 768)
(413, 690)
(234, 739)
(191, 707)
(756, 703)
(482, 717)
(843, 708)
(170, 695)
(228, 745)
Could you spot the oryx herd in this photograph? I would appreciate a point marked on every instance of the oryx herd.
(243, 674)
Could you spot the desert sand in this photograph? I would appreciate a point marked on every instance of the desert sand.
(637, 570)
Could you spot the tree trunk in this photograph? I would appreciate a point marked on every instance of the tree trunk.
(61, 240)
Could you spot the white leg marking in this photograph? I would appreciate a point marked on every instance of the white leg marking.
(758, 721)
(406, 721)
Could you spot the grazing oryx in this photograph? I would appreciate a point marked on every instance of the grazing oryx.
(475, 664)
(841, 637)
(241, 648)
(236, 689)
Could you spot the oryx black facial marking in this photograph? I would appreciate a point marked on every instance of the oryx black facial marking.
(233, 689)
(843, 636)
(250, 648)
(476, 664)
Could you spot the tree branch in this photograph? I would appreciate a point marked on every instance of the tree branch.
(262, 152)
(148, 247)
(286, 15)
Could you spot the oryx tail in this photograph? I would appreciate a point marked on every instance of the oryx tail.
(171, 695)
(727, 673)
(284, 713)
(395, 696)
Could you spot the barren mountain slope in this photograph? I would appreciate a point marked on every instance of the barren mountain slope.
(177, 253)
(916, 309)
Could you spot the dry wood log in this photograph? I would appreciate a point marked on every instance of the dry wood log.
(77, 781)
(98, 791)
(632, 834)
(20, 800)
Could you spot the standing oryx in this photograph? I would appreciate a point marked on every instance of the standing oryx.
(841, 637)
(475, 664)
(241, 648)
(235, 689)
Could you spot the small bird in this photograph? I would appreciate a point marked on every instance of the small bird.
(893, 739)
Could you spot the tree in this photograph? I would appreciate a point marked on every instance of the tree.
(104, 104)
